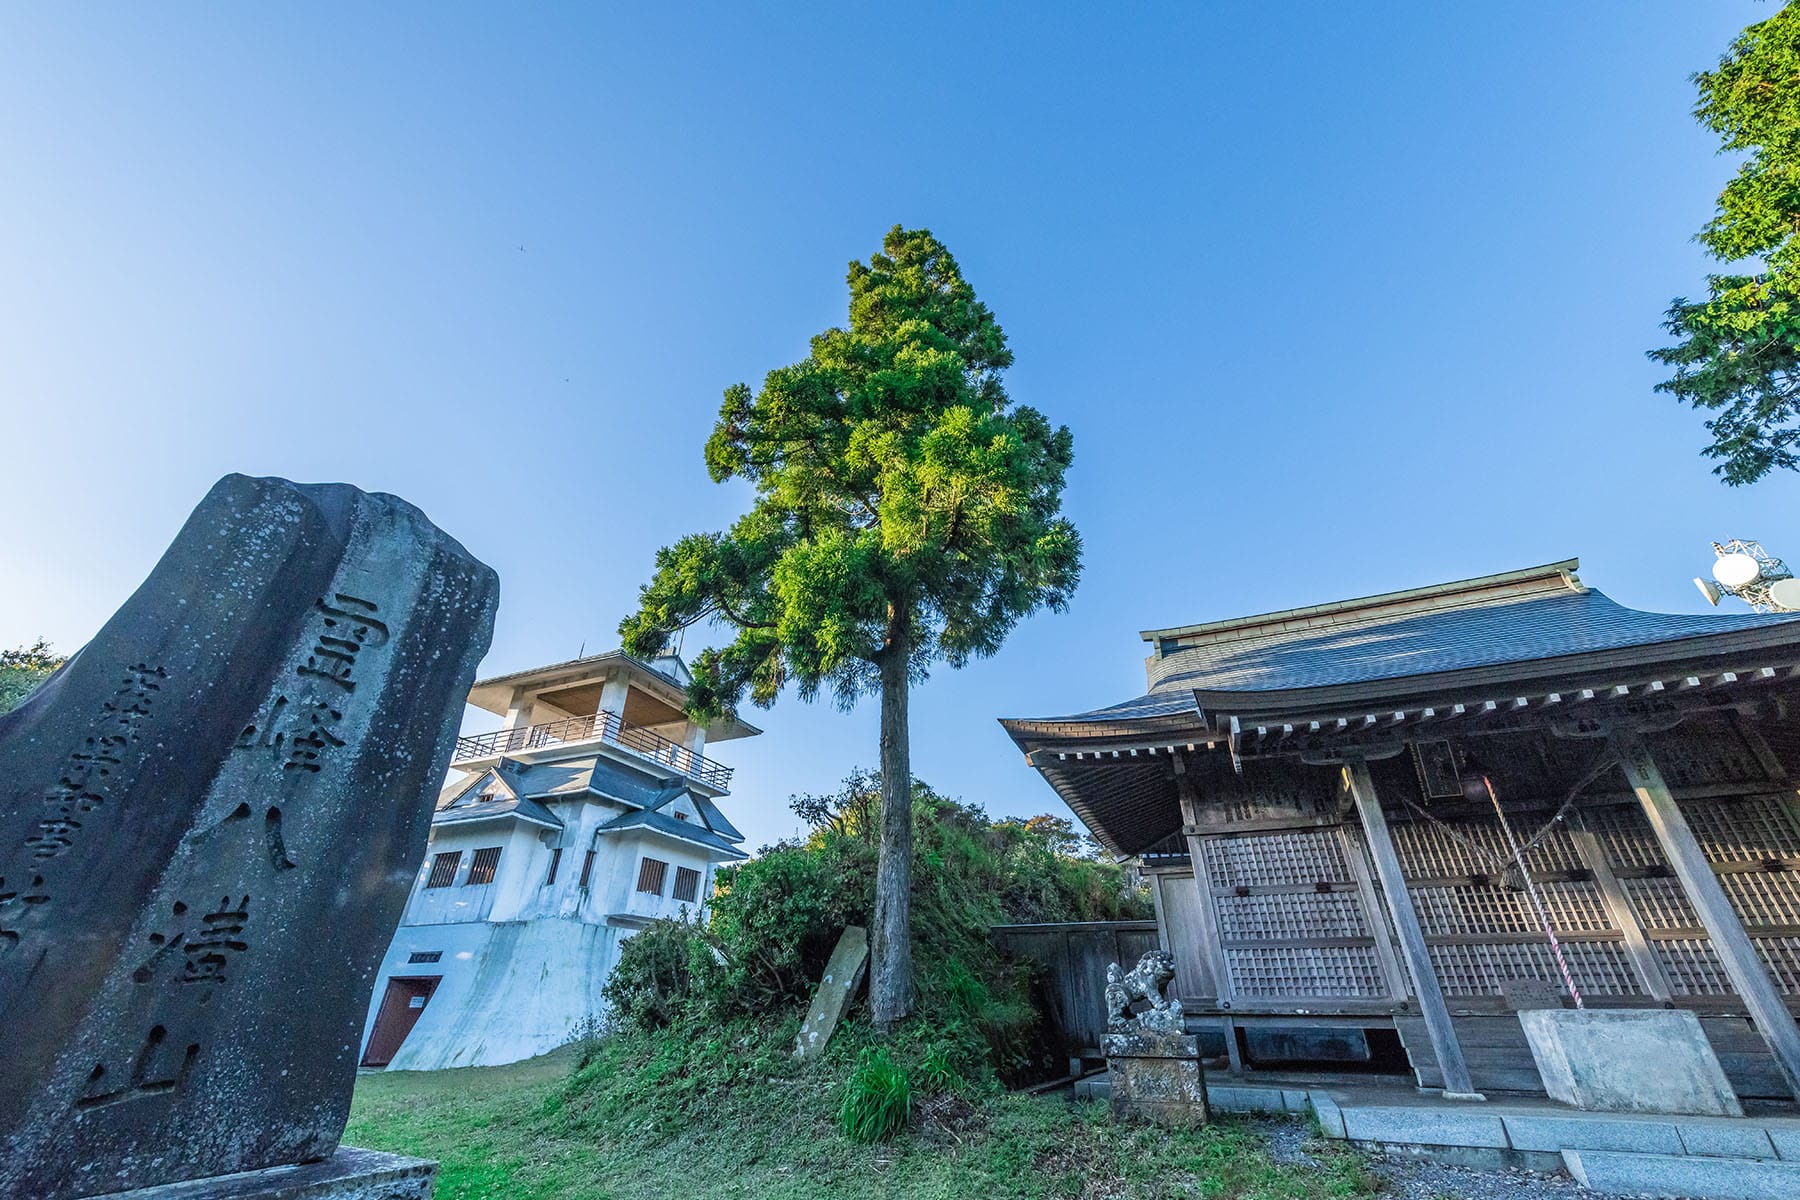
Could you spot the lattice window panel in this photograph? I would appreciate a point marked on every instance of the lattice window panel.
(1290, 916)
(1276, 859)
(1427, 849)
(1660, 903)
(1702, 754)
(1764, 898)
(1289, 971)
(1692, 967)
(1749, 829)
(1625, 834)
(1600, 968)
(1474, 909)
(1782, 957)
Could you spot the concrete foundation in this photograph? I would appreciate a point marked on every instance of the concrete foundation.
(1155, 1077)
(350, 1174)
(1628, 1060)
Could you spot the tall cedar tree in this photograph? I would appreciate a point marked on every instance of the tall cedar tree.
(906, 511)
(1740, 350)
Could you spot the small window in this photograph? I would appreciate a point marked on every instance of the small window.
(555, 862)
(687, 884)
(587, 868)
(680, 816)
(419, 956)
(481, 867)
(651, 874)
(443, 869)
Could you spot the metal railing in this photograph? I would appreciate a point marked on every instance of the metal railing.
(603, 727)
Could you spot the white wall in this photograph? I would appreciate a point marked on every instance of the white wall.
(523, 963)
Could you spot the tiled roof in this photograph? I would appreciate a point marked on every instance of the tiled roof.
(1523, 616)
(1433, 642)
(687, 831)
(474, 809)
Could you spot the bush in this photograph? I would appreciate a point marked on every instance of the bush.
(774, 921)
(877, 1099)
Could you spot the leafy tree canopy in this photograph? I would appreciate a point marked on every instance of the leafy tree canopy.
(1739, 353)
(901, 500)
(22, 669)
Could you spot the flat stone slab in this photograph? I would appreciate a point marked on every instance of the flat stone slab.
(1726, 1140)
(1597, 1131)
(350, 1174)
(1629, 1060)
(1685, 1175)
(843, 975)
(1423, 1126)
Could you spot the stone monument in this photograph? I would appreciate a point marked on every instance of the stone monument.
(1152, 1062)
(209, 822)
(1629, 1060)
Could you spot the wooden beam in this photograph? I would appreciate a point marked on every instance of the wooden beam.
(1624, 917)
(1455, 1069)
(1743, 965)
(1212, 948)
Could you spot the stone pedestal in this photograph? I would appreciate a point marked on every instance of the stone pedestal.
(1629, 1060)
(1156, 1077)
(350, 1174)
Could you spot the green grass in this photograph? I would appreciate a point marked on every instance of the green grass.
(532, 1131)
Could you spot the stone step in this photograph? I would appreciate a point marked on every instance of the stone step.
(1686, 1175)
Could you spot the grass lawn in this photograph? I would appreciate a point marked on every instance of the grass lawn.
(521, 1132)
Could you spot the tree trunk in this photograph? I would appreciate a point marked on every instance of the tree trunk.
(891, 976)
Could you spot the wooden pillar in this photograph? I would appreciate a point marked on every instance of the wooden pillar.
(1730, 942)
(1455, 1069)
(1624, 917)
(1213, 954)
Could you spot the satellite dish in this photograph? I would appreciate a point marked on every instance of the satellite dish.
(1734, 571)
(1710, 590)
(1785, 594)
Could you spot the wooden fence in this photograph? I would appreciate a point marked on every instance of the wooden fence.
(1074, 957)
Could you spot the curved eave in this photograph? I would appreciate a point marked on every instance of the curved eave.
(1776, 645)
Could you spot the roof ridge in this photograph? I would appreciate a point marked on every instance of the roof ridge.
(1507, 586)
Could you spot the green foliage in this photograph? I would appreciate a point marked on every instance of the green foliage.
(938, 1070)
(775, 919)
(630, 1125)
(877, 1099)
(23, 669)
(1739, 353)
(899, 494)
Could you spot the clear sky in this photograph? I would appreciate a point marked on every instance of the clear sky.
(1337, 298)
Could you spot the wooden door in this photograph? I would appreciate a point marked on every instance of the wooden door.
(400, 1010)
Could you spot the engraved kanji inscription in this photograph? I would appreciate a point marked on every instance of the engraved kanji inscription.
(157, 1069)
(349, 625)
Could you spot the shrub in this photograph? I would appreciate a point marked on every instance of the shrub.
(877, 1099)
(774, 921)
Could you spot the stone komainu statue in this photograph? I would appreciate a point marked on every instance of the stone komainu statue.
(1146, 981)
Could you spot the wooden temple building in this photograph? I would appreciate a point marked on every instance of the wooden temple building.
(1309, 792)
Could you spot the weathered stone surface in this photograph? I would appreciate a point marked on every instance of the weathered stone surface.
(349, 1174)
(208, 824)
(1155, 1077)
(1628, 1060)
(843, 974)
(1146, 983)
(1600, 1131)
(1686, 1175)
(1725, 1139)
(1421, 1125)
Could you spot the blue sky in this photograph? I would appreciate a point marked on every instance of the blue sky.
(1336, 298)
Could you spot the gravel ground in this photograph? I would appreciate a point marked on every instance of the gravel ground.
(1413, 1179)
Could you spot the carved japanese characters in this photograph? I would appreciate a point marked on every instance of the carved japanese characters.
(208, 822)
